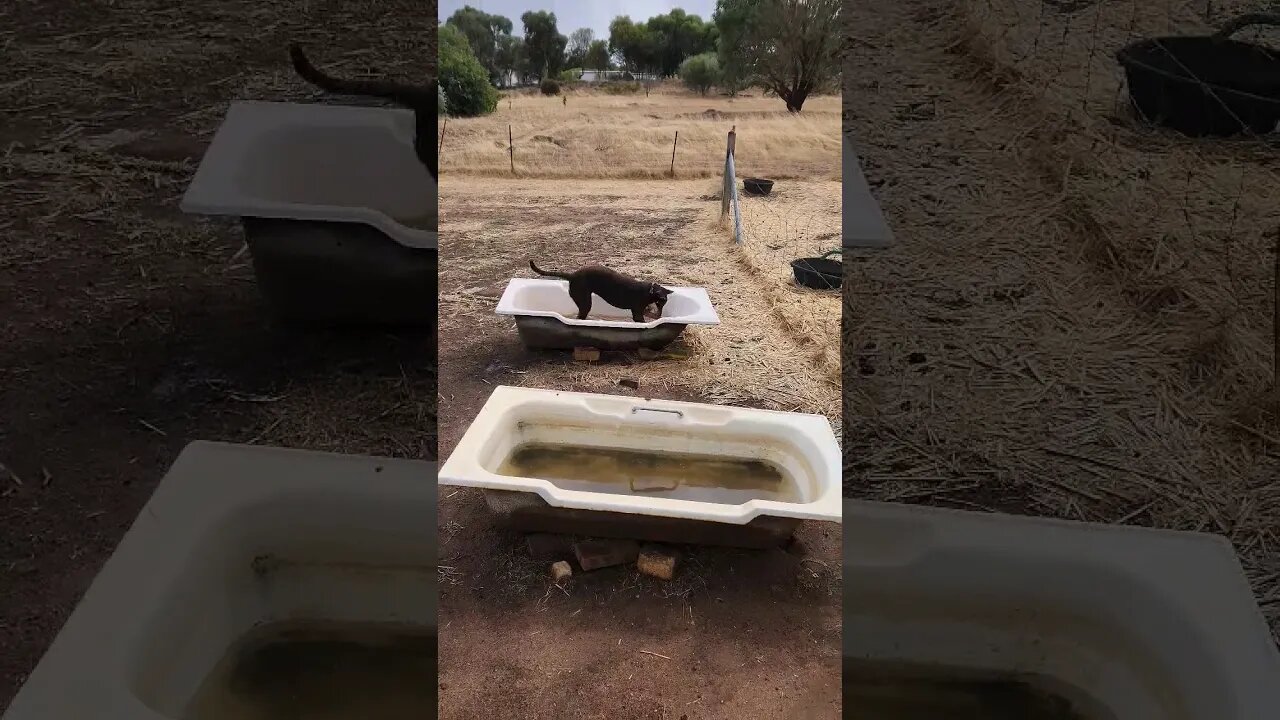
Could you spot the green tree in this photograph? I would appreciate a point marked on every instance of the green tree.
(597, 56)
(463, 79)
(733, 19)
(661, 43)
(510, 57)
(678, 35)
(579, 43)
(543, 43)
(789, 46)
(634, 45)
(483, 32)
(700, 72)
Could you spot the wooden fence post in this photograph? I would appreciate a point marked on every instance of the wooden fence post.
(443, 129)
(726, 190)
(673, 153)
(511, 150)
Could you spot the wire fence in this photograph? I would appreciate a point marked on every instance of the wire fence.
(778, 227)
(781, 221)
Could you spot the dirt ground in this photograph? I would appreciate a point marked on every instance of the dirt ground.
(738, 633)
(1075, 319)
(128, 329)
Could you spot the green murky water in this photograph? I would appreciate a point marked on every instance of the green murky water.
(665, 474)
(323, 672)
(878, 693)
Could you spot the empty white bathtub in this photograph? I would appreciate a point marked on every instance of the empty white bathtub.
(307, 161)
(1124, 623)
(715, 449)
(234, 540)
(339, 215)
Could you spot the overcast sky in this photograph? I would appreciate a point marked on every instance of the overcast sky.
(574, 14)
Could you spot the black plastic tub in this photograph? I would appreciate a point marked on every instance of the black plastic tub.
(757, 186)
(1209, 86)
(819, 273)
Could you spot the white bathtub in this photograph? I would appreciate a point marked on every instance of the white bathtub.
(236, 537)
(314, 162)
(1129, 623)
(537, 297)
(802, 448)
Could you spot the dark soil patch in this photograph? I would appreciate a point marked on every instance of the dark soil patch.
(125, 329)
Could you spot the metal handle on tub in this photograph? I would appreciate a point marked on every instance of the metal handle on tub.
(677, 413)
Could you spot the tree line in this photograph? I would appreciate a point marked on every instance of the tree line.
(789, 47)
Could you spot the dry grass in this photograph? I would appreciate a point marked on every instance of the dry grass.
(761, 355)
(592, 185)
(598, 135)
(1076, 321)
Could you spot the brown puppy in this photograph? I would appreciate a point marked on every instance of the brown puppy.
(615, 288)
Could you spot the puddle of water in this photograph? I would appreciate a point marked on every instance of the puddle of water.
(707, 478)
(879, 693)
(322, 672)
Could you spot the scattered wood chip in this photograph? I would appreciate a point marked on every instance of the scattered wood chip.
(560, 571)
(656, 563)
(153, 428)
(6, 473)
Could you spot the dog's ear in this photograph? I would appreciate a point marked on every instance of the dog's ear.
(660, 291)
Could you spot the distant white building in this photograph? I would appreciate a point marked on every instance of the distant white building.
(592, 76)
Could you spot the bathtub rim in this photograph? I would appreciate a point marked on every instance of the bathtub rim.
(214, 190)
(104, 638)
(706, 315)
(464, 467)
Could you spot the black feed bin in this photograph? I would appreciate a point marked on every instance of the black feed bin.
(1206, 86)
(819, 273)
(757, 186)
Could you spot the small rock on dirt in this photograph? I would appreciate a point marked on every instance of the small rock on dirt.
(630, 383)
(603, 553)
(549, 546)
(585, 354)
(656, 563)
(561, 571)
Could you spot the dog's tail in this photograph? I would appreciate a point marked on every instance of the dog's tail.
(399, 93)
(564, 276)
